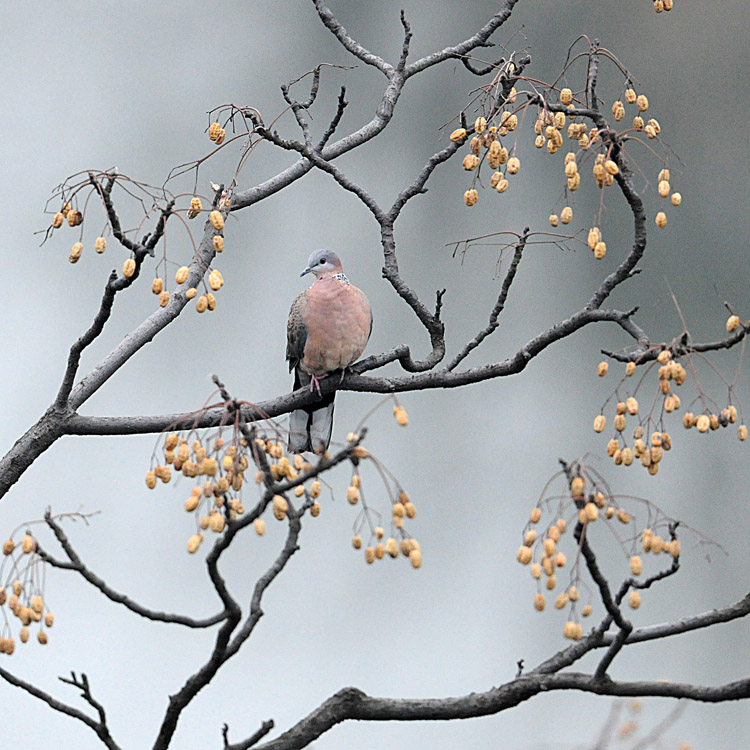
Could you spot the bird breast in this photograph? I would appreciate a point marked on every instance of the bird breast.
(338, 322)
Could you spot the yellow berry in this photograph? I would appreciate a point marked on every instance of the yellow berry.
(601, 369)
(733, 323)
(539, 602)
(57, 220)
(100, 244)
(194, 542)
(458, 135)
(676, 199)
(566, 215)
(128, 268)
(634, 600)
(401, 416)
(75, 252)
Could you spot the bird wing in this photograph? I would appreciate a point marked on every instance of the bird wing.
(296, 331)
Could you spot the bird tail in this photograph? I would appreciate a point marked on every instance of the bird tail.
(311, 426)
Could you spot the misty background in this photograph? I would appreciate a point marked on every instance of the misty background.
(92, 85)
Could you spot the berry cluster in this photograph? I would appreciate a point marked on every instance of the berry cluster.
(586, 501)
(650, 438)
(22, 578)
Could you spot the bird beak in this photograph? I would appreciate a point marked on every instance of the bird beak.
(307, 270)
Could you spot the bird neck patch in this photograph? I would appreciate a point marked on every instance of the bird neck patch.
(341, 277)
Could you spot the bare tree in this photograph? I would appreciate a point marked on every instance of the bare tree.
(221, 443)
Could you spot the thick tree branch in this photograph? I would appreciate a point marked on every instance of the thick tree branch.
(351, 703)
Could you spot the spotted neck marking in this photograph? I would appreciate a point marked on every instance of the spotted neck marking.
(341, 277)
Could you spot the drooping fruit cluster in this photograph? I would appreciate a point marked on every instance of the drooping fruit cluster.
(368, 530)
(220, 468)
(650, 438)
(22, 590)
(599, 149)
(585, 502)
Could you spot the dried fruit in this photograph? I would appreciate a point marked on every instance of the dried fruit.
(636, 566)
(661, 220)
(471, 197)
(539, 602)
(634, 600)
(601, 369)
(733, 323)
(642, 102)
(217, 220)
(218, 243)
(458, 135)
(524, 555)
(75, 252)
(676, 199)
(194, 542)
(514, 164)
(128, 268)
(100, 244)
(57, 220)
(470, 162)
(566, 215)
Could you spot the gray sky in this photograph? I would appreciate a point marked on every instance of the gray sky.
(94, 85)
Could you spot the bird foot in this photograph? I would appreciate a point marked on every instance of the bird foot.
(315, 385)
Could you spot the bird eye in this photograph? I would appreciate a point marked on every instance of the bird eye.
(322, 261)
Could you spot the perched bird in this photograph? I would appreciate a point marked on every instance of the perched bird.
(328, 328)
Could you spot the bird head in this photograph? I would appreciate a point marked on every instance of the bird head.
(322, 261)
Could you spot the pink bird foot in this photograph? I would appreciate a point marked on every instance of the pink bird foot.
(315, 385)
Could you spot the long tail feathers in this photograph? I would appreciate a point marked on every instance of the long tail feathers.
(311, 426)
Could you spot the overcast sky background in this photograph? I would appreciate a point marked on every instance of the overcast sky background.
(91, 85)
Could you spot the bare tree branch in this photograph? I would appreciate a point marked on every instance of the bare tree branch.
(499, 305)
(79, 567)
(253, 739)
(100, 729)
(334, 26)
